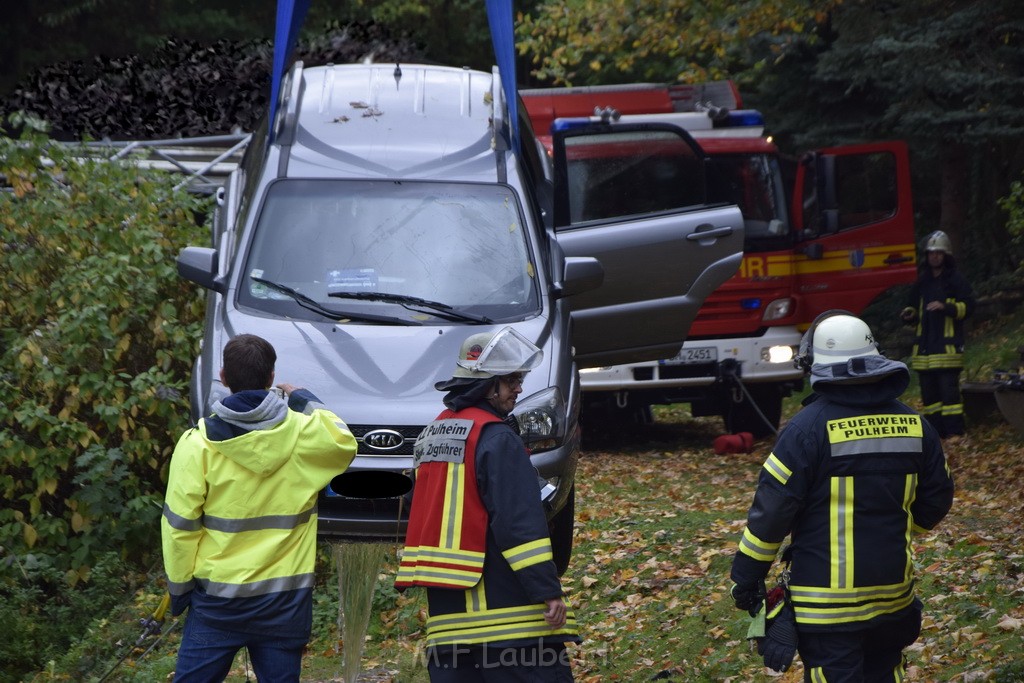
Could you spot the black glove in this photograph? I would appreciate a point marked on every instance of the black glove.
(748, 596)
(778, 647)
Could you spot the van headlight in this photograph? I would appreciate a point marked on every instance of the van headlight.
(541, 419)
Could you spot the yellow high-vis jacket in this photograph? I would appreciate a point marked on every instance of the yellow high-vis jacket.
(239, 521)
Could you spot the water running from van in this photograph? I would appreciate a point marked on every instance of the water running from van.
(358, 566)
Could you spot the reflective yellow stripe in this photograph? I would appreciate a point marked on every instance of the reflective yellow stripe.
(528, 554)
(833, 261)
(937, 361)
(451, 516)
(909, 495)
(841, 532)
(752, 546)
(470, 558)
(817, 675)
(845, 615)
(777, 469)
(476, 598)
(456, 578)
(841, 596)
(497, 624)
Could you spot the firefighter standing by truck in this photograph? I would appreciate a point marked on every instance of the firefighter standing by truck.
(477, 538)
(852, 476)
(939, 302)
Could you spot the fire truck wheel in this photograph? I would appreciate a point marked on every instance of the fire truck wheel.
(743, 417)
(560, 529)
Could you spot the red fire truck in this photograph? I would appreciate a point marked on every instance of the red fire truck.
(838, 238)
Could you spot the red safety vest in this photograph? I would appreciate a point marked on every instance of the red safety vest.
(447, 533)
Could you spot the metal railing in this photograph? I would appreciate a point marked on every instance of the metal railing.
(205, 161)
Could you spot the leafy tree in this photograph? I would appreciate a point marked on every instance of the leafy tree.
(1013, 205)
(947, 76)
(586, 42)
(96, 341)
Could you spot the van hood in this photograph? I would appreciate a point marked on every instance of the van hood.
(376, 374)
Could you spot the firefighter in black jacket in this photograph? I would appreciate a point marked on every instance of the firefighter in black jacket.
(477, 538)
(852, 477)
(938, 303)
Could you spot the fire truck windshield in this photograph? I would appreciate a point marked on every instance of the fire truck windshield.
(754, 182)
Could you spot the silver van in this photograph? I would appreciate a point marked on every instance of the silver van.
(390, 211)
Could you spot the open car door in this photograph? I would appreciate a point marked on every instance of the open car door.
(638, 199)
(854, 220)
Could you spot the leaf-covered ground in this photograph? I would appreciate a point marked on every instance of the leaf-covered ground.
(659, 523)
(658, 517)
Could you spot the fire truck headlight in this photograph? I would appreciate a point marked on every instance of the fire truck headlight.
(541, 419)
(779, 308)
(778, 354)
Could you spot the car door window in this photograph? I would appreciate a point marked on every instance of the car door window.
(632, 173)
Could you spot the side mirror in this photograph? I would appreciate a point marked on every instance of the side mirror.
(582, 274)
(199, 265)
(813, 251)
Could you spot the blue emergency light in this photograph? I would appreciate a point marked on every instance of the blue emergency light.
(570, 123)
(740, 118)
(750, 304)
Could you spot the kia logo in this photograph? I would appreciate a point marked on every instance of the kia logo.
(383, 439)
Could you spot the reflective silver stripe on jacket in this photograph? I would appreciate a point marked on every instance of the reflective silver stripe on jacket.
(234, 526)
(181, 523)
(248, 590)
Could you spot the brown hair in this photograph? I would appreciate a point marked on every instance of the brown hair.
(248, 363)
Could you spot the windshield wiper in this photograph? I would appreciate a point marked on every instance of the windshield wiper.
(406, 301)
(313, 305)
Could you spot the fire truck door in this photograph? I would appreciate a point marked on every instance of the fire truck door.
(636, 197)
(853, 216)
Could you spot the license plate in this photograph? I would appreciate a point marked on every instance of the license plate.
(693, 356)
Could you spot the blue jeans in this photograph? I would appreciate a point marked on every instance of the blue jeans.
(206, 654)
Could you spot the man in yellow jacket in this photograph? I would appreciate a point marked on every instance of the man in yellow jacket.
(239, 521)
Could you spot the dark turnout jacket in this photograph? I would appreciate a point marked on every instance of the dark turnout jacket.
(939, 335)
(852, 477)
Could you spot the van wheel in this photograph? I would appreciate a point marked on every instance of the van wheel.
(743, 417)
(560, 529)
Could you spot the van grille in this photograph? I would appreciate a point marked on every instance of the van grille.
(384, 439)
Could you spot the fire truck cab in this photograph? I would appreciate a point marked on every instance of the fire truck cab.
(839, 238)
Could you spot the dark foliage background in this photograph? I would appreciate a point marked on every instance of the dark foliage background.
(184, 88)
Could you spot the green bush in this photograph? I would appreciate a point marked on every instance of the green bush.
(1013, 205)
(97, 335)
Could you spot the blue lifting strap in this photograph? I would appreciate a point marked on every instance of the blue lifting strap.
(499, 17)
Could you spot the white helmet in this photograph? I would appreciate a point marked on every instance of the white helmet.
(839, 338)
(938, 241)
(492, 354)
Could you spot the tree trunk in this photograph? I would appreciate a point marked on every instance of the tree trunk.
(953, 206)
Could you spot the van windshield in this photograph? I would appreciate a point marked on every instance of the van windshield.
(340, 242)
